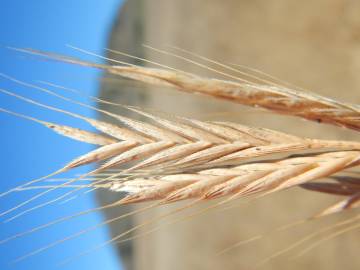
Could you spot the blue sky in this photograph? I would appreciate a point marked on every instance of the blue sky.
(29, 150)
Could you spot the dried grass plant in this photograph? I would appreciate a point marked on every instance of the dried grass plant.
(171, 158)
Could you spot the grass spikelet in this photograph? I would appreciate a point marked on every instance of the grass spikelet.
(67, 131)
(181, 149)
(274, 98)
(165, 159)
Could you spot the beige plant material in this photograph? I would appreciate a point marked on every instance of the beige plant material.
(351, 202)
(184, 144)
(170, 158)
(245, 180)
(273, 97)
(174, 144)
(71, 132)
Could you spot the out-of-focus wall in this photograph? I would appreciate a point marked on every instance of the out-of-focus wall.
(313, 44)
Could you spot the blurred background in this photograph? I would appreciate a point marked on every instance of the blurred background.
(314, 45)
(29, 150)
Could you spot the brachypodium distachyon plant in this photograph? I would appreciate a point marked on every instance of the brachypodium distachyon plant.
(171, 158)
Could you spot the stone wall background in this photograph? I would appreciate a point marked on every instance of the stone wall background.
(312, 44)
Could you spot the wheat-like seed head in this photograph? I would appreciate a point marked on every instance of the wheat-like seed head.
(276, 98)
(171, 158)
(180, 158)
